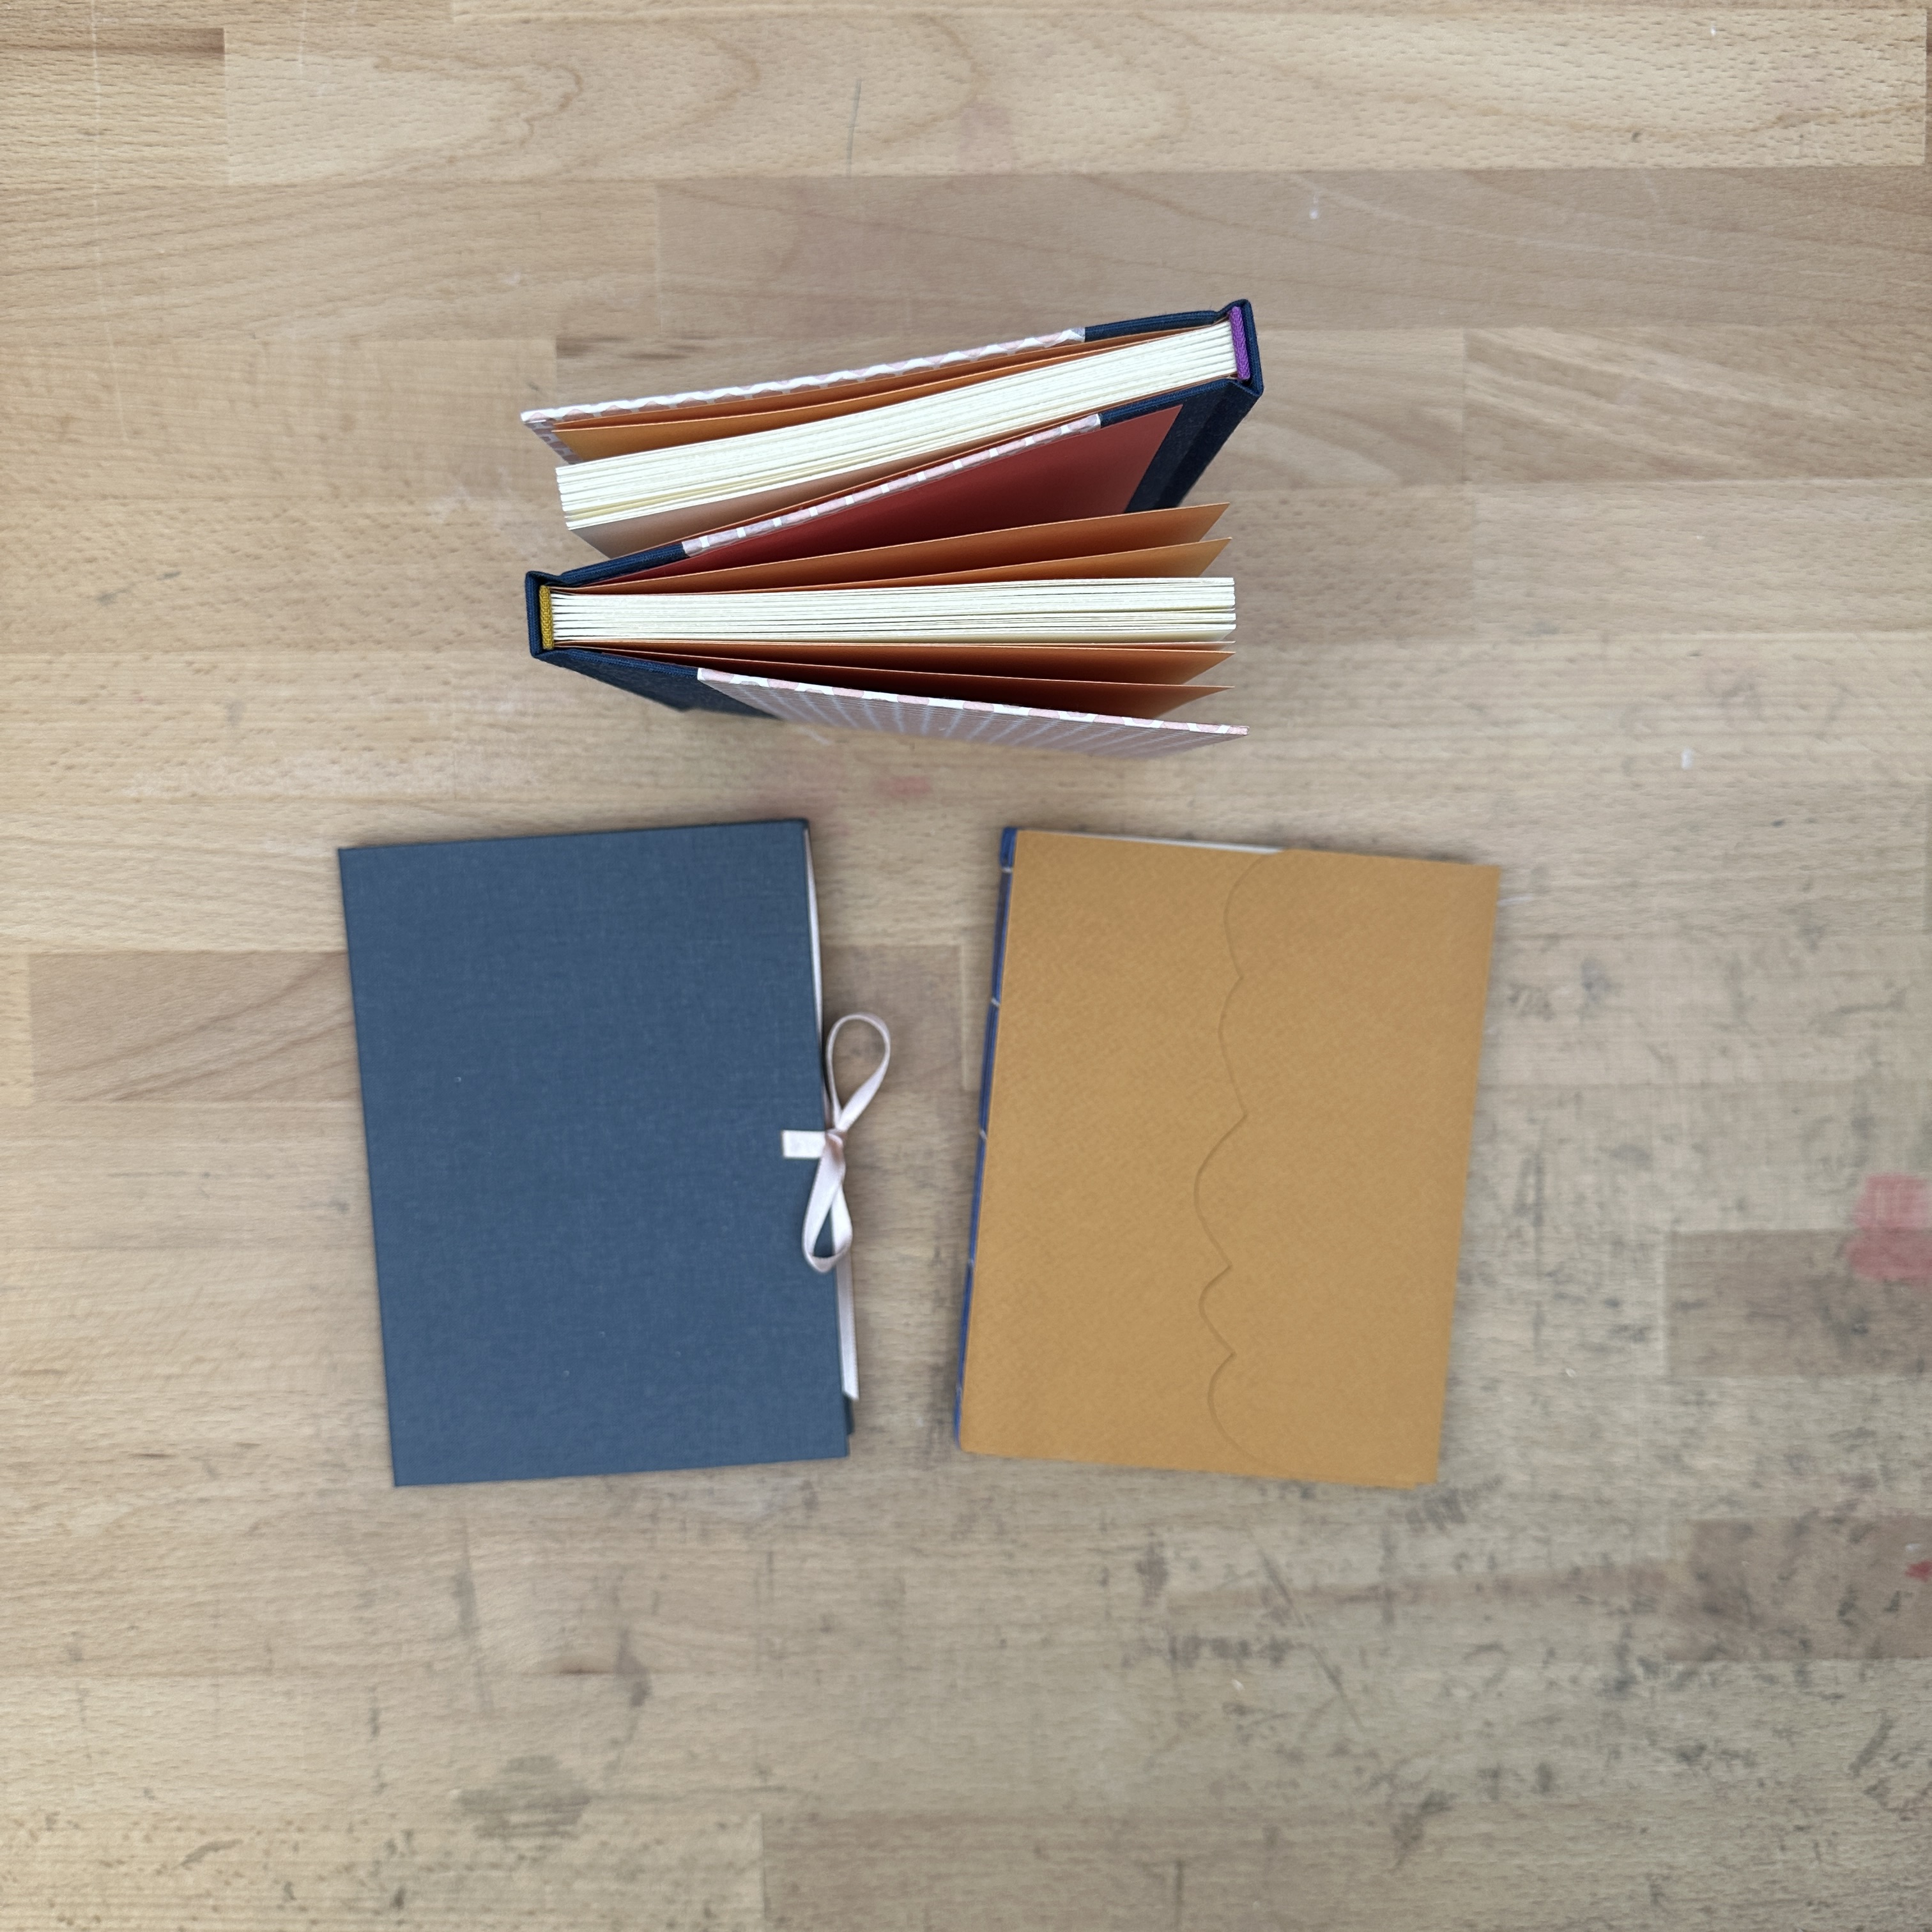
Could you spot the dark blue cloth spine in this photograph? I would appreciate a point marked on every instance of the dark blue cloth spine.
(677, 685)
(1208, 415)
(1009, 841)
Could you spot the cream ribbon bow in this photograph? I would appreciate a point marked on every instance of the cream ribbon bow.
(827, 1205)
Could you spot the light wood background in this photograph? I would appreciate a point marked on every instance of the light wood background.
(1586, 528)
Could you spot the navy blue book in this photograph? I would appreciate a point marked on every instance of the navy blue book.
(581, 1060)
(671, 487)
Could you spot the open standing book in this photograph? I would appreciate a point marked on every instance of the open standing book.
(986, 544)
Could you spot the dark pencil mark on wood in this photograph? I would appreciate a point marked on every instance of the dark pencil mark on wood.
(1873, 1745)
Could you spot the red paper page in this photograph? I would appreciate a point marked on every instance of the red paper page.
(1085, 473)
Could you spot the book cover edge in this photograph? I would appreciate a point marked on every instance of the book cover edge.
(1009, 858)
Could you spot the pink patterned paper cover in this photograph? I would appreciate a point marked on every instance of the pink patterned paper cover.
(965, 719)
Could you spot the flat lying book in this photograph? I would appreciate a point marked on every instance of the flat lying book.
(1225, 1116)
(581, 1058)
(1058, 462)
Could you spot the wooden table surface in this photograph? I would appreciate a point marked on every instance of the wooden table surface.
(1586, 529)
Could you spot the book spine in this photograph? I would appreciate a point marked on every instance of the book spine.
(1182, 453)
(1151, 325)
(678, 687)
(1179, 463)
(1209, 416)
(536, 604)
(535, 613)
(1008, 842)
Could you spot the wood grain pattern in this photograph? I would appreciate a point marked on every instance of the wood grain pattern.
(1617, 1012)
(536, 1857)
(636, 11)
(430, 574)
(1312, 545)
(145, 102)
(1194, 1870)
(1360, 407)
(349, 259)
(337, 420)
(1759, 1591)
(1720, 558)
(1647, 405)
(16, 1039)
(192, 1026)
(1583, 531)
(1790, 1304)
(966, 258)
(980, 92)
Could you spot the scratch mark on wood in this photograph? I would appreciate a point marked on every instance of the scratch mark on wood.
(1873, 1745)
(463, 1587)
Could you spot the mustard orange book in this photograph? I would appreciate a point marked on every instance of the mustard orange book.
(1228, 1100)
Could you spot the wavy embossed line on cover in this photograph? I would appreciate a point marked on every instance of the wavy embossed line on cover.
(1206, 1230)
(1106, 1094)
(1351, 1038)
(1227, 1175)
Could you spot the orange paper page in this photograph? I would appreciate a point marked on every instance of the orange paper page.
(739, 416)
(1121, 663)
(976, 550)
(1227, 1146)
(1116, 700)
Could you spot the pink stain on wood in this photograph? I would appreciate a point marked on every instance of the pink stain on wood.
(1894, 1242)
(1921, 1571)
(912, 785)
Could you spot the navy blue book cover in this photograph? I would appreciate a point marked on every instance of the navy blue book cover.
(579, 1055)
